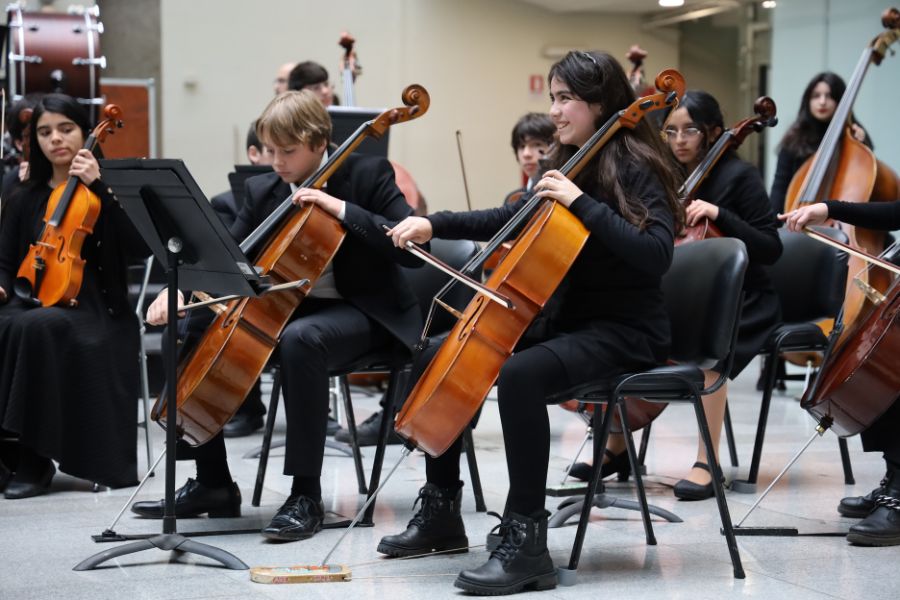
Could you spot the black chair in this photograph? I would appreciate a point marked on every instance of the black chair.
(703, 299)
(810, 278)
(426, 281)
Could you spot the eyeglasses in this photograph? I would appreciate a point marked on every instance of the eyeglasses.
(688, 133)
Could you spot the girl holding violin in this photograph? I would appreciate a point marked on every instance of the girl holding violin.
(68, 375)
(880, 508)
(609, 315)
(817, 106)
(360, 304)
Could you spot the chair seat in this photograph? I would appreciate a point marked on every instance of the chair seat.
(790, 336)
(668, 382)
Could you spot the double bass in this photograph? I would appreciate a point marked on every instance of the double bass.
(455, 383)
(52, 271)
(764, 109)
(844, 168)
(297, 243)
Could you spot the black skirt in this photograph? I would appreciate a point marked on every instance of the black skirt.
(69, 384)
(760, 316)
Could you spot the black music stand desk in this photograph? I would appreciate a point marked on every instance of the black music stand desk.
(175, 219)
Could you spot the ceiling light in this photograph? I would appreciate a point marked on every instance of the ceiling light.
(769, 4)
(671, 3)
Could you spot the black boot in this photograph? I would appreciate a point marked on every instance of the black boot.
(858, 507)
(882, 526)
(436, 527)
(521, 561)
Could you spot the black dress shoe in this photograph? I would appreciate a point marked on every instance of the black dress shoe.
(242, 425)
(17, 488)
(858, 507)
(367, 432)
(194, 499)
(617, 463)
(688, 490)
(5, 476)
(299, 518)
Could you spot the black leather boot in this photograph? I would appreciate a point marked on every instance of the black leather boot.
(882, 526)
(521, 561)
(858, 507)
(436, 527)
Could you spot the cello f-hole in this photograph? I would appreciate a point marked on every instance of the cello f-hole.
(464, 330)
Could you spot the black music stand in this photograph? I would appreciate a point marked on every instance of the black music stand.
(180, 227)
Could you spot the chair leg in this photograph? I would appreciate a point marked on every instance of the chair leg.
(645, 441)
(638, 478)
(351, 428)
(748, 486)
(396, 383)
(599, 447)
(845, 461)
(729, 436)
(716, 473)
(469, 448)
(267, 436)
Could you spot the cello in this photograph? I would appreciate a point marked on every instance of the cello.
(844, 168)
(297, 243)
(52, 271)
(765, 110)
(858, 381)
(462, 371)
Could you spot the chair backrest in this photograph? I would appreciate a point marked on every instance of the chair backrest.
(703, 297)
(810, 276)
(426, 280)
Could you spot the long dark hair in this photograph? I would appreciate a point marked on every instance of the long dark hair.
(597, 78)
(706, 113)
(40, 170)
(806, 132)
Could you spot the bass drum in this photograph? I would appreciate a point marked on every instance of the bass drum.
(55, 53)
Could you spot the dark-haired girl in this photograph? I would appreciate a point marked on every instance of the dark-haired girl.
(610, 315)
(734, 198)
(68, 375)
(817, 106)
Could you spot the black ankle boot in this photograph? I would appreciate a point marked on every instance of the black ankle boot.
(436, 527)
(521, 561)
(858, 507)
(882, 526)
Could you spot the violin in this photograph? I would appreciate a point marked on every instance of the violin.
(765, 110)
(846, 169)
(463, 370)
(52, 271)
(636, 56)
(297, 243)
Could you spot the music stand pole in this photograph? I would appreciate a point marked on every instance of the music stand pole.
(166, 230)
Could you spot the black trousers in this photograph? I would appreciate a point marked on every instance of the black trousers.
(884, 435)
(324, 336)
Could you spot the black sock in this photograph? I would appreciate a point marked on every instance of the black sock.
(213, 473)
(307, 486)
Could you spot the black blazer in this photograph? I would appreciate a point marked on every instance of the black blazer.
(366, 267)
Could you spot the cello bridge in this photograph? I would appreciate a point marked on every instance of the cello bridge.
(872, 294)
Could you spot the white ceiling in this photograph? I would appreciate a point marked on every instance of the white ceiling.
(617, 6)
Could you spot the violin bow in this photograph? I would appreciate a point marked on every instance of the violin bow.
(874, 260)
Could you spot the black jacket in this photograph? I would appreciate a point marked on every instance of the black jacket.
(366, 267)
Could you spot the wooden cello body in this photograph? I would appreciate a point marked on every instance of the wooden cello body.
(52, 271)
(858, 380)
(465, 367)
(843, 168)
(299, 243)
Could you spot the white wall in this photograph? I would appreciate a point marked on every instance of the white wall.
(810, 36)
(474, 57)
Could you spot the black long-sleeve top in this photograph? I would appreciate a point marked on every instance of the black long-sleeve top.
(735, 186)
(883, 216)
(617, 275)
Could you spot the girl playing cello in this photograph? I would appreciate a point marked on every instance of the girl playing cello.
(609, 315)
